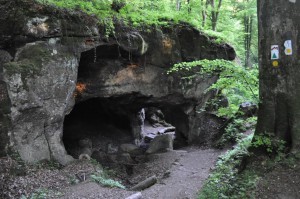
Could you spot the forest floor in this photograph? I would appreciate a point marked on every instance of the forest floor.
(180, 174)
(278, 180)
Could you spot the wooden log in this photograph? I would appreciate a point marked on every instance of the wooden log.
(137, 195)
(145, 184)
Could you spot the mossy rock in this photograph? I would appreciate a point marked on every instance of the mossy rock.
(30, 61)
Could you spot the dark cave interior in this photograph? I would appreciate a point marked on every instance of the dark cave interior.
(100, 121)
(107, 122)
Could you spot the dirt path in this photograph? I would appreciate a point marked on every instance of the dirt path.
(181, 175)
(187, 176)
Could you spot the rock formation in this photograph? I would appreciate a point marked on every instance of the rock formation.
(52, 59)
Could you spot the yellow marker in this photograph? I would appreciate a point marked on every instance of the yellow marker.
(275, 64)
(288, 51)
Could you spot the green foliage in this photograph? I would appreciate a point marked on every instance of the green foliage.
(42, 194)
(270, 143)
(224, 182)
(237, 83)
(141, 13)
(99, 7)
(73, 180)
(234, 130)
(101, 178)
(104, 176)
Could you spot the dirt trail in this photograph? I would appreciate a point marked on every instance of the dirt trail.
(184, 173)
(187, 176)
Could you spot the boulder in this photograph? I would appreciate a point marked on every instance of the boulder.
(161, 143)
(132, 149)
(124, 158)
(248, 109)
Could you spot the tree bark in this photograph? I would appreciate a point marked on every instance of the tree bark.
(215, 13)
(203, 12)
(248, 38)
(279, 109)
(144, 184)
(178, 5)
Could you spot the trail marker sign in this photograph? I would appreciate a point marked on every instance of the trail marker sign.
(274, 52)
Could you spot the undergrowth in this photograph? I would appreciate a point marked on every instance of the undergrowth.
(42, 194)
(237, 83)
(104, 180)
(234, 131)
(104, 176)
(136, 14)
(226, 182)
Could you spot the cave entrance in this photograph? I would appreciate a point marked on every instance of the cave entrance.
(97, 125)
(105, 128)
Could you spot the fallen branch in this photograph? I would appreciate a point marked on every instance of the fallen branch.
(145, 184)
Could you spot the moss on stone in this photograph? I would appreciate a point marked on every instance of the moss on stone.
(25, 67)
(30, 62)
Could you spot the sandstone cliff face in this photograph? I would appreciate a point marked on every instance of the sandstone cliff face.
(53, 59)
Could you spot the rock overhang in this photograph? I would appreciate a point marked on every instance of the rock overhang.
(41, 98)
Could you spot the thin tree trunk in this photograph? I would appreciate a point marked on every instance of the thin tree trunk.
(178, 5)
(215, 13)
(189, 6)
(247, 38)
(203, 12)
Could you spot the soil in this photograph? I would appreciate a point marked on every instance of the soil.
(186, 176)
(180, 173)
(279, 181)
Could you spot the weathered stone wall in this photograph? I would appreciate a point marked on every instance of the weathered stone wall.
(47, 46)
(4, 104)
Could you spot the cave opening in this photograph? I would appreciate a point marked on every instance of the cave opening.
(105, 127)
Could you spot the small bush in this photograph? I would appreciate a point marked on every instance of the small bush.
(270, 143)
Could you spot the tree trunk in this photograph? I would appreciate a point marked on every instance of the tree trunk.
(178, 5)
(189, 6)
(215, 13)
(203, 11)
(248, 38)
(279, 109)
